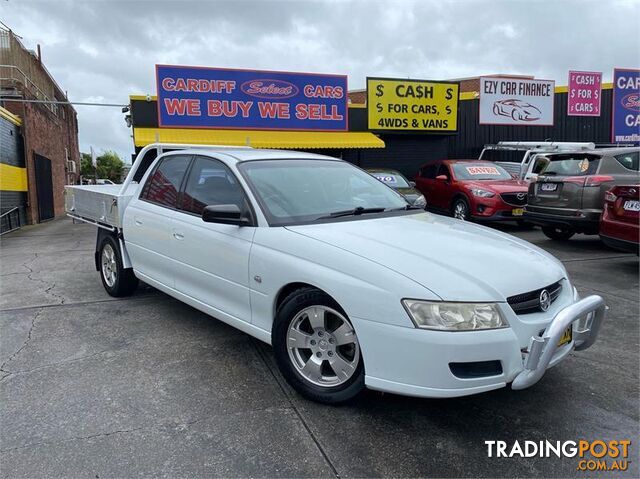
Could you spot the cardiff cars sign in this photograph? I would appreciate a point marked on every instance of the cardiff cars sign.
(197, 97)
(626, 105)
(516, 101)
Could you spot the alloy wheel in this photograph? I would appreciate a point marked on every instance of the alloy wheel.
(109, 265)
(323, 346)
(460, 211)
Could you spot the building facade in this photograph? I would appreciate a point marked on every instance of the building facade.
(48, 134)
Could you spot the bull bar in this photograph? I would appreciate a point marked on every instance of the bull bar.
(543, 350)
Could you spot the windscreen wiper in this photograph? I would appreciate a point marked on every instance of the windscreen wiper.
(358, 210)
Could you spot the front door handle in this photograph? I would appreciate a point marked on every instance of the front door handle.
(177, 235)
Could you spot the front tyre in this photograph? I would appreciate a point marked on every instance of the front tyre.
(558, 233)
(116, 280)
(460, 209)
(316, 347)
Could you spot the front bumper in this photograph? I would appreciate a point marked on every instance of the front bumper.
(543, 352)
(417, 362)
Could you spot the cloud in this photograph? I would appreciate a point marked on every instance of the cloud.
(107, 49)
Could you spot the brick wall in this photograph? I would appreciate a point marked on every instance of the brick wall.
(48, 134)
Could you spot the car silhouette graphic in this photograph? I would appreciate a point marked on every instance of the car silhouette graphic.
(516, 109)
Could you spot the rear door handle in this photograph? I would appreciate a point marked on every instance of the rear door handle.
(177, 235)
(137, 222)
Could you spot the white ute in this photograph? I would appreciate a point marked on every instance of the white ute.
(350, 285)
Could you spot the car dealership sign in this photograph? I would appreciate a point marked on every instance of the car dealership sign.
(196, 97)
(516, 101)
(412, 105)
(584, 93)
(626, 105)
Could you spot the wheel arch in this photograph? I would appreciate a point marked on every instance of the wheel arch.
(459, 195)
(289, 288)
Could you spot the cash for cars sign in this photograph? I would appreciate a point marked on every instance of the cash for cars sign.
(195, 97)
(412, 105)
(626, 105)
(516, 101)
(584, 93)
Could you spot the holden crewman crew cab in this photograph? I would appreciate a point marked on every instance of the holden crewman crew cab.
(351, 285)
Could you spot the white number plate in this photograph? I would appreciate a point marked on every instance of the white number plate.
(631, 205)
(548, 186)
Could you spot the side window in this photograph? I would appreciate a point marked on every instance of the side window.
(163, 184)
(429, 171)
(210, 182)
(540, 163)
(443, 170)
(629, 160)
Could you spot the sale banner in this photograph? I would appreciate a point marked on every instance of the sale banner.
(584, 93)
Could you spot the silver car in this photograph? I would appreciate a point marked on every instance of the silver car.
(568, 195)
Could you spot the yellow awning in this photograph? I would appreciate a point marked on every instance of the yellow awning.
(257, 139)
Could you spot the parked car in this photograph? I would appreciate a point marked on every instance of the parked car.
(620, 221)
(472, 190)
(396, 180)
(351, 286)
(522, 158)
(567, 197)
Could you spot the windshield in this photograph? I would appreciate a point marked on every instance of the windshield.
(299, 191)
(479, 171)
(571, 165)
(391, 178)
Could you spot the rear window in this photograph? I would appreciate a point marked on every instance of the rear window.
(571, 165)
(629, 160)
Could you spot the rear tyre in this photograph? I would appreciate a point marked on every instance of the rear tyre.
(460, 209)
(316, 347)
(116, 280)
(558, 233)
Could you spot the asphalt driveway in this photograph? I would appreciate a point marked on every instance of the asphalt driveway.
(92, 386)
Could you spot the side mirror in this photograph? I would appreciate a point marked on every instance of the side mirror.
(442, 178)
(224, 214)
(412, 184)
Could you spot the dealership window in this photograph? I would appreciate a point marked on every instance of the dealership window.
(631, 161)
(164, 183)
(210, 182)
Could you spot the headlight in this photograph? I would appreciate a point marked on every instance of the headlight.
(482, 193)
(420, 201)
(454, 316)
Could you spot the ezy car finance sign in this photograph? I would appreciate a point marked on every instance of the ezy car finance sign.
(516, 101)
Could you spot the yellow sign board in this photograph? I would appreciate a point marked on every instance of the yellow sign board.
(412, 105)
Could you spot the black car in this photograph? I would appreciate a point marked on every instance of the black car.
(398, 182)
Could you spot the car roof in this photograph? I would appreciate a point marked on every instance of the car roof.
(596, 151)
(472, 160)
(235, 155)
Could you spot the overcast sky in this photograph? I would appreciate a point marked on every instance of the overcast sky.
(103, 51)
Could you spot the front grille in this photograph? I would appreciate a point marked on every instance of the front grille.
(526, 303)
(515, 199)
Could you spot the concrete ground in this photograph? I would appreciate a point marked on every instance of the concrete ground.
(91, 386)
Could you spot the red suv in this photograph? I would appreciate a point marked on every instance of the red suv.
(620, 221)
(472, 189)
